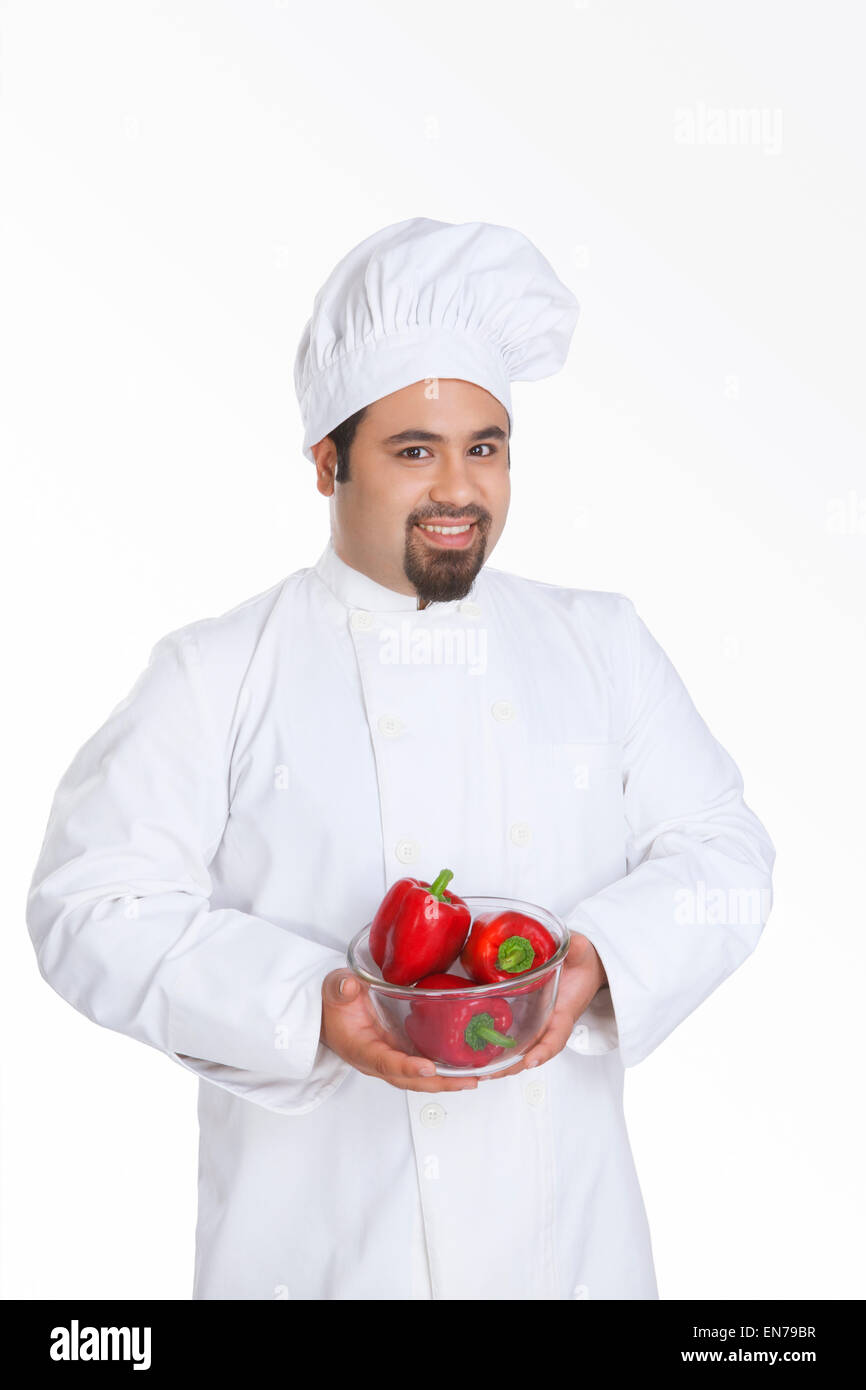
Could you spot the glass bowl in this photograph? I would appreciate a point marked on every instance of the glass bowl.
(516, 1009)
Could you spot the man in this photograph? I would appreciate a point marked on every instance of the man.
(398, 707)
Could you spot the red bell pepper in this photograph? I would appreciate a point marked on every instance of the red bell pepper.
(465, 1033)
(418, 929)
(504, 944)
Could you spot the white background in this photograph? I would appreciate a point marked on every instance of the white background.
(177, 180)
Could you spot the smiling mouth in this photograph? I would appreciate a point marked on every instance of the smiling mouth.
(446, 528)
(445, 535)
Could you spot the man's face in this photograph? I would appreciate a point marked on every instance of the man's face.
(414, 460)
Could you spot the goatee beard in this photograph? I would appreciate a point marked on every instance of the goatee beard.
(440, 577)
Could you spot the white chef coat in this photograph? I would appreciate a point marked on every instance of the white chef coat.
(214, 846)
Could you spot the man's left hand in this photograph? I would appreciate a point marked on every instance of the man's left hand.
(581, 978)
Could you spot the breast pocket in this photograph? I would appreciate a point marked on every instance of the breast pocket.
(592, 767)
(579, 810)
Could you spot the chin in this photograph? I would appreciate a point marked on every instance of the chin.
(443, 578)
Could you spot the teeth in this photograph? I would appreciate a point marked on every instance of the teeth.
(446, 530)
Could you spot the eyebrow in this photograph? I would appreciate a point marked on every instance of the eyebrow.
(409, 436)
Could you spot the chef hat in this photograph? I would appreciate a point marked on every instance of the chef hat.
(422, 299)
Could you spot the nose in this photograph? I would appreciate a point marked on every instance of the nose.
(453, 485)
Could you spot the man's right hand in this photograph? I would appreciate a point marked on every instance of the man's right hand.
(351, 1029)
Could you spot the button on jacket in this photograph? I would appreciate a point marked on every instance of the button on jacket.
(214, 846)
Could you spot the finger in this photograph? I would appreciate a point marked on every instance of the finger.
(553, 1041)
(506, 1071)
(436, 1083)
(417, 1073)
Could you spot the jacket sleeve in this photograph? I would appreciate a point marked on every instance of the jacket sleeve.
(119, 914)
(698, 887)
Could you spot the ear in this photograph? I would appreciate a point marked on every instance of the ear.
(325, 456)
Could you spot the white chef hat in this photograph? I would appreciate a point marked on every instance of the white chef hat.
(422, 299)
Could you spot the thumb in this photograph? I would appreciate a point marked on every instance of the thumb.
(341, 987)
(579, 950)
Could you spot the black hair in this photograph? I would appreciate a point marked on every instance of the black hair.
(342, 435)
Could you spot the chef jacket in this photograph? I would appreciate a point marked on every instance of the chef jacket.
(212, 849)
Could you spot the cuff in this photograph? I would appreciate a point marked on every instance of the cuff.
(274, 1093)
(596, 1031)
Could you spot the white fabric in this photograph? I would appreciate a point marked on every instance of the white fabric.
(212, 849)
(423, 299)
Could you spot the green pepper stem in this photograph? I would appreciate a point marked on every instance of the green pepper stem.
(491, 1035)
(515, 955)
(480, 1031)
(437, 887)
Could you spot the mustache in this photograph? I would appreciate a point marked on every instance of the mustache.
(442, 518)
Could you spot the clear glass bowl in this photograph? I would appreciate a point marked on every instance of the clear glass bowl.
(431, 1014)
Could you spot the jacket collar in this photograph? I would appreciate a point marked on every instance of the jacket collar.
(357, 590)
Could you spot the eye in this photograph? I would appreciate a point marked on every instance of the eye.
(412, 448)
(491, 447)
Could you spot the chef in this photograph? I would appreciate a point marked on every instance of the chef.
(399, 707)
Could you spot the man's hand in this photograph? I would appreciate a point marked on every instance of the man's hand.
(581, 978)
(351, 1029)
